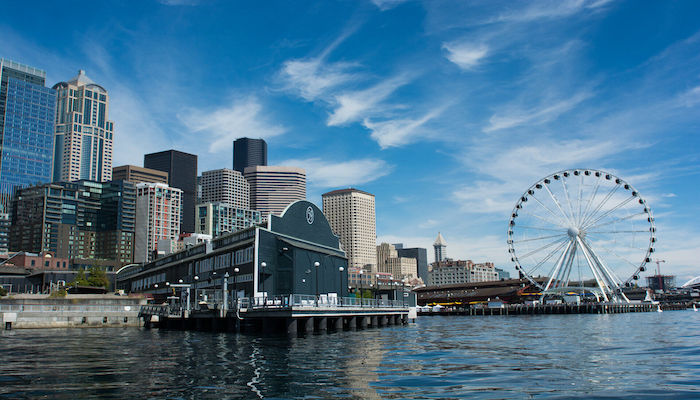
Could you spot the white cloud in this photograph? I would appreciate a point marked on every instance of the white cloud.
(312, 78)
(387, 4)
(353, 106)
(668, 195)
(329, 174)
(466, 55)
(552, 9)
(223, 125)
(398, 132)
(512, 117)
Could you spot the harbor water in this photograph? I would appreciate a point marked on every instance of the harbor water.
(637, 355)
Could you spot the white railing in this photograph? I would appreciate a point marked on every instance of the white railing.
(311, 301)
(67, 308)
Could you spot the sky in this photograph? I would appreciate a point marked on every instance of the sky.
(447, 111)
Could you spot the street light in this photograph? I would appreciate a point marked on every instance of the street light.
(361, 295)
(316, 264)
(262, 280)
(340, 286)
(225, 294)
(235, 286)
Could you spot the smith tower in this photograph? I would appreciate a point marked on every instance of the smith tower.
(83, 131)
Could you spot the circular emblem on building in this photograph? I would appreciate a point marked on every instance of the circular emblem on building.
(310, 215)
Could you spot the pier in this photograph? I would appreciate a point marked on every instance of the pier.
(291, 315)
(522, 309)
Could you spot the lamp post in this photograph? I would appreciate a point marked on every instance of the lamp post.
(316, 265)
(361, 295)
(225, 294)
(340, 284)
(235, 287)
(262, 279)
(196, 299)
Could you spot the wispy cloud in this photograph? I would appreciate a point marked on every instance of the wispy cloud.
(328, 174)
(312, 78)
(513, 116)
(387, 4)
(398, 132)
(354, 106)
(466, 55)
(552, 9)
(238, 119)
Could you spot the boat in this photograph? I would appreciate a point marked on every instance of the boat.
(658, 309)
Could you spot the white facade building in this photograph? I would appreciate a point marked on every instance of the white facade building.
(400, 268)
(83, 143)
(158, 208)
(227, 186)
(448, 272)
(352, 217)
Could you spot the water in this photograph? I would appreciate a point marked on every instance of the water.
(640, 355)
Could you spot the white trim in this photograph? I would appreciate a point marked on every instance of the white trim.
(256, 273)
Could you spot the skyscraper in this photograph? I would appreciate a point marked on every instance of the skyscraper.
(351, 214)
(225, 185)
(27, 110)
(135, 174)
(84, 133)
(248, 153)
(421, 256)
(440, 247)
(273, 188)
(182, 174)
(157, 217)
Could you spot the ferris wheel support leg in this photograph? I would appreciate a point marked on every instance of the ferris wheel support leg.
(613, 280)
(593, 268)
(555, 271)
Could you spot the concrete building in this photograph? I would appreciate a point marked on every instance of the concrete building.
(182, 174)
(294, 254)
(76, 220)
(27, 113)
(158, 208)
(135, 174)
(273, 188)
(440, 247)
(84, 133)
(248, 153)
(219, 218)
(448, 272)
(400, 268)
(185, 241)
(503, 275)
(227, 186)
(351, 214)
(419, 254)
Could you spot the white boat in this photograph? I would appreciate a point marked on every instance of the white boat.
(658, 309)
(695, 308)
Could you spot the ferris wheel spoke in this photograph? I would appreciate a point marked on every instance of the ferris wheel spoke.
(563, 221)
(614, 221)
(594, 270)
(542, 229)
(545, 259)
(627, 246)
(543, 218)
(602, 203)
(609, 251)
(540, 238)
(580, 200)
(548, 245)
(590, 200)
(566, 217)
(639, 231)
(610, 211)
(568, 199)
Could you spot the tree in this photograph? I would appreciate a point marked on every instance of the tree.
(80, 279)
(98, 277)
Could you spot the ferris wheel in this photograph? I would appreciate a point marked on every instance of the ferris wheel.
(581, 226)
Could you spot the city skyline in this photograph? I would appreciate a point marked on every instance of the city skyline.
(446, 113)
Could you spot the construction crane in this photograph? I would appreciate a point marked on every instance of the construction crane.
(658, 273)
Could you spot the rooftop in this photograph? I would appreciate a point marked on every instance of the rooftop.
(343, 191)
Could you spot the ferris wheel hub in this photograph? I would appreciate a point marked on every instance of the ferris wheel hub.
(573, 232)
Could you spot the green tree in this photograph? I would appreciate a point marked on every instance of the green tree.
(80, 279)
(3, 291)
(98, 277)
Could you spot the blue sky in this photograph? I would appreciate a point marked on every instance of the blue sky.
(446, 110)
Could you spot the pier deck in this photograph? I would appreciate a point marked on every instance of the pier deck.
(521, 309)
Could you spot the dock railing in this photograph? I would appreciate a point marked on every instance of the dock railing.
(311, 301)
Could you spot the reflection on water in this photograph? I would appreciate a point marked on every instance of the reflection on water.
(641, 355)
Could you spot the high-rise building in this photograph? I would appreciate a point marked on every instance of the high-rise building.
(83, 219)
(419, 254)
(27, 112)
(182, 174)
(227, 186)
(351, 214)
(440, 247)
(135, 174)
(158, 208)
(389, 261)
(273, 188)
(449, 272)
(84, 133)
(218, 218)
(248, 153)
